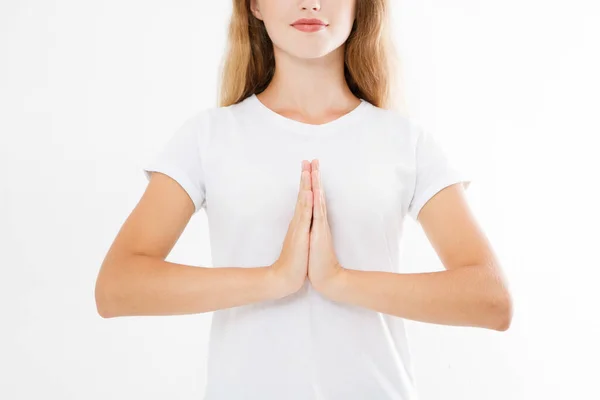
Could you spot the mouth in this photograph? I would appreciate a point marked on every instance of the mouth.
(309, 24)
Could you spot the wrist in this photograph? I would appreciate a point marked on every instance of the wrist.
(335, 284)
(277, 284)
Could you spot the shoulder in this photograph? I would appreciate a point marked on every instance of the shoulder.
(397, 124)
(216, 115)
(205, 118)
(205, 122)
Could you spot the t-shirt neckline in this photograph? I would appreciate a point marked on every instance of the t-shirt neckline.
(303, 127)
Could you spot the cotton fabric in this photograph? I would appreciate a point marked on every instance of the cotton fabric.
(241, 164)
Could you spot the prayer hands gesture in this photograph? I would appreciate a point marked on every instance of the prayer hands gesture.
(308, 246)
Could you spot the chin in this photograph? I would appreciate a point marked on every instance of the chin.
(310, 55)
(307, 52)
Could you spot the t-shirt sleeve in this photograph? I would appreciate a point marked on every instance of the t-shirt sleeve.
(435, 171)
(181, 159)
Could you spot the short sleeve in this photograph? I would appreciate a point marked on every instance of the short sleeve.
(181, 159)
(434, 171)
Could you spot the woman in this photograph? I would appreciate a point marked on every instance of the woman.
(306, 289)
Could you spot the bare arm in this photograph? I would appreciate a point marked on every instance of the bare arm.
(146, 285)
(135, 279)
(473, 290)
(465, 296)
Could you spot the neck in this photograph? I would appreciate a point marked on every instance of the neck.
(309, 86)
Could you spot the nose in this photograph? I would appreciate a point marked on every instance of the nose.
(314, 5)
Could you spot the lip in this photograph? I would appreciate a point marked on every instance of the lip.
(309, 24)
(309, 21)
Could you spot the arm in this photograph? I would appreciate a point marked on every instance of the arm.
(471, 291)
(135, 279)
(145, 285)
(462, 296)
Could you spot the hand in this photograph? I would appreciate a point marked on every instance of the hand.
(323, 265)
(291, 268)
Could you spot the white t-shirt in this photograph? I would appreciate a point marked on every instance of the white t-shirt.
(242, 164)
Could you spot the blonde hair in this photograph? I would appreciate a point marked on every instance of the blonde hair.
(370, 60)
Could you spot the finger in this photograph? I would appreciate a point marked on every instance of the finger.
(318, 203)
(305, 195)
(304, 167)
(305, 183)
(301, 198)
(302, 184)
(308, 187)
(322, 191)
(308, 180)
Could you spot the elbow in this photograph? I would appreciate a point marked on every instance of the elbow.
(502, 310)
(498, 303)
(105, 296)
(103, 300)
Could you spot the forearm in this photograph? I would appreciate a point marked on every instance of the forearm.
(467, 296)
(143, 285)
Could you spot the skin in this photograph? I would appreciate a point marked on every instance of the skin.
(323, 266)
(308, 86)
(470, 292)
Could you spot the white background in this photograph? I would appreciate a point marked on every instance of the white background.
(90, 89)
